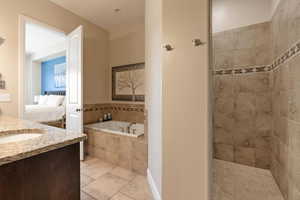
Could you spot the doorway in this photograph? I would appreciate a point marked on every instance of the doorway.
(50, 74)
(44, 75)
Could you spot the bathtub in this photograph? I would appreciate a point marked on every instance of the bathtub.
(119, 128)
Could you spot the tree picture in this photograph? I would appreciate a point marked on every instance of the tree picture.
(128, 82)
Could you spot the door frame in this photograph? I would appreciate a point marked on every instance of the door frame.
(22, 54)
(69, 106)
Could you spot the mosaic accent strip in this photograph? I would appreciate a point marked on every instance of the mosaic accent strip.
(251, 69)
(114, 107)
(284, 58)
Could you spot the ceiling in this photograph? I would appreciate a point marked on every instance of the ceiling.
(229, 14)
(103, 14)
(39, 38)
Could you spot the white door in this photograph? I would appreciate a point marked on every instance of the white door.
(74, 105)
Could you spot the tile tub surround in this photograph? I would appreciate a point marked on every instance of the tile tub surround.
(127, 152)
(120, 112)
(119, 128)
(51, 138)
(232, 181)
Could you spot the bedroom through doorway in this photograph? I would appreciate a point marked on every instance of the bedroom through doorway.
(50, 81)
(45, 75)
(51, 75)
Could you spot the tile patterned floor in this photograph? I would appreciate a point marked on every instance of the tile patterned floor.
(238, 182)
(104, 181)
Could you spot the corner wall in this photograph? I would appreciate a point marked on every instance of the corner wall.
(285, 146)
(154, 93)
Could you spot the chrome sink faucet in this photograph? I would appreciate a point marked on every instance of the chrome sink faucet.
(129, 126)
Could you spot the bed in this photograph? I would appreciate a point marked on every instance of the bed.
(50, 113)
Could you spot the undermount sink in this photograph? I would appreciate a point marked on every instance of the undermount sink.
(18, 137)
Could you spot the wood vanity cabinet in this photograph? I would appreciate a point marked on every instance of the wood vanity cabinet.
(54, 175)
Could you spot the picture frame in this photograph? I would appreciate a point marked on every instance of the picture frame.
(60, 75)
(128, 82)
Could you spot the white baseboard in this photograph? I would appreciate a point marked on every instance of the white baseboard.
(154, 190)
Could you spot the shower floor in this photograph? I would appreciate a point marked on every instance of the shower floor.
(238, 182)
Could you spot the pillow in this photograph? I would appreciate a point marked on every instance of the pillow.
(55, 100)
(43, 100)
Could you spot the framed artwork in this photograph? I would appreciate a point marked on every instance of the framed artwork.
(128, 82)
(60, 75)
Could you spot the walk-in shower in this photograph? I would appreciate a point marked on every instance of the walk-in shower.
(256, 47)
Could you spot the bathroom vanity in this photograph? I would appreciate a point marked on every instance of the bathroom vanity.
(38, 162)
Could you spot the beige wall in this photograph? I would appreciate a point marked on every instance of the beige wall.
(33, 84)
(36, 82)
(95, 47)
(185, 101)
(127, 49)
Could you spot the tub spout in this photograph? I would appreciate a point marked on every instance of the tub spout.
(129, 126)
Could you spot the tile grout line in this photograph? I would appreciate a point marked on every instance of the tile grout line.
(108, 173)
(119, 191)
(88, 195)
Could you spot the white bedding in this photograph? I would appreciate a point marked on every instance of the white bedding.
(44, 113)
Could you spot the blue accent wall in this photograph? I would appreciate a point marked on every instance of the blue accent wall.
(48, 83)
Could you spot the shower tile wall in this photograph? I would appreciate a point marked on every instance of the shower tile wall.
(242, 119)
(285, 151)
(257, 114)
(243, 109)
(242, 47)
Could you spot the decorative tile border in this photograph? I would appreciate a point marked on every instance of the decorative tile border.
(95, 107)
(250, 69)
(283, 58)
(114, 107)
(287, 55)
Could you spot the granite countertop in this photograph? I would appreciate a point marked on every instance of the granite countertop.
(50, 138)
